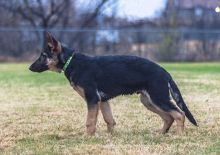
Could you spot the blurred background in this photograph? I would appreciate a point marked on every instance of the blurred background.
(161, 30)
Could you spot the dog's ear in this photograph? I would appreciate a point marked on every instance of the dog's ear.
(53, 43)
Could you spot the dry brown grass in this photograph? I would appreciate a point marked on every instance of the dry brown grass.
(48, 117)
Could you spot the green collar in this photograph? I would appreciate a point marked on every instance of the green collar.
(67, 63)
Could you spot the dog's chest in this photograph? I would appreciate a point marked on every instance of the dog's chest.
(78, 89)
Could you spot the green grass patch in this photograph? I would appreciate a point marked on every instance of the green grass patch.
(41, 114)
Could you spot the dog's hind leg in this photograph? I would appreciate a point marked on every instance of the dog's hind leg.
(179, 117)
(167, 119)
(169, 112)
(107, 115)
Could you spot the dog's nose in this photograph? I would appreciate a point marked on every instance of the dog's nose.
(30, 68)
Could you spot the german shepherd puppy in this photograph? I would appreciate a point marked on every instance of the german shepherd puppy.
(101, 78)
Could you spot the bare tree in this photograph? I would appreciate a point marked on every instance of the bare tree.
(90, 20)
(39, 13)
(44, 15)
(53, 13)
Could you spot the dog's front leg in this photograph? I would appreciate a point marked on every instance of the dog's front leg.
(107, 115)
(92, 100)
(91, 118)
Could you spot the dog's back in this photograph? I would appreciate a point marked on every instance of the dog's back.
(117, 75)
(98, 79)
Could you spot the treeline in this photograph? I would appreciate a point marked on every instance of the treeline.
(88, 29)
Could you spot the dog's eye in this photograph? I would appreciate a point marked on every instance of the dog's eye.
(43, 57)
(44, 54)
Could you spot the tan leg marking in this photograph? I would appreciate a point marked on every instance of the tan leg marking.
(92, 119)
(79, 90)
(107, 115)
(167, 119)
(180, 119)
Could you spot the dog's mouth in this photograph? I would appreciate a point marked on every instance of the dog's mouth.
(37, 69)
(57, 70)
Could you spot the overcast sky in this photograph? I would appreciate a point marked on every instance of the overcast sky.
(140, 8)
(132, 9)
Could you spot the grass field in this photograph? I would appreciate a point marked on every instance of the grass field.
(41, 114)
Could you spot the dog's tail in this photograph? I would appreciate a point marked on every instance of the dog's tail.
(175, 93)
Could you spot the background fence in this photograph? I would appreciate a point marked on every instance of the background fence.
(158, 44)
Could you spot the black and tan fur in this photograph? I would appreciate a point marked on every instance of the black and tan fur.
(98, 79)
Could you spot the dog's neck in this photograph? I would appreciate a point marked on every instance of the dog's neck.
(64, 56)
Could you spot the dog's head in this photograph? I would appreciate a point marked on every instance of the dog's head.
(48, 59)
